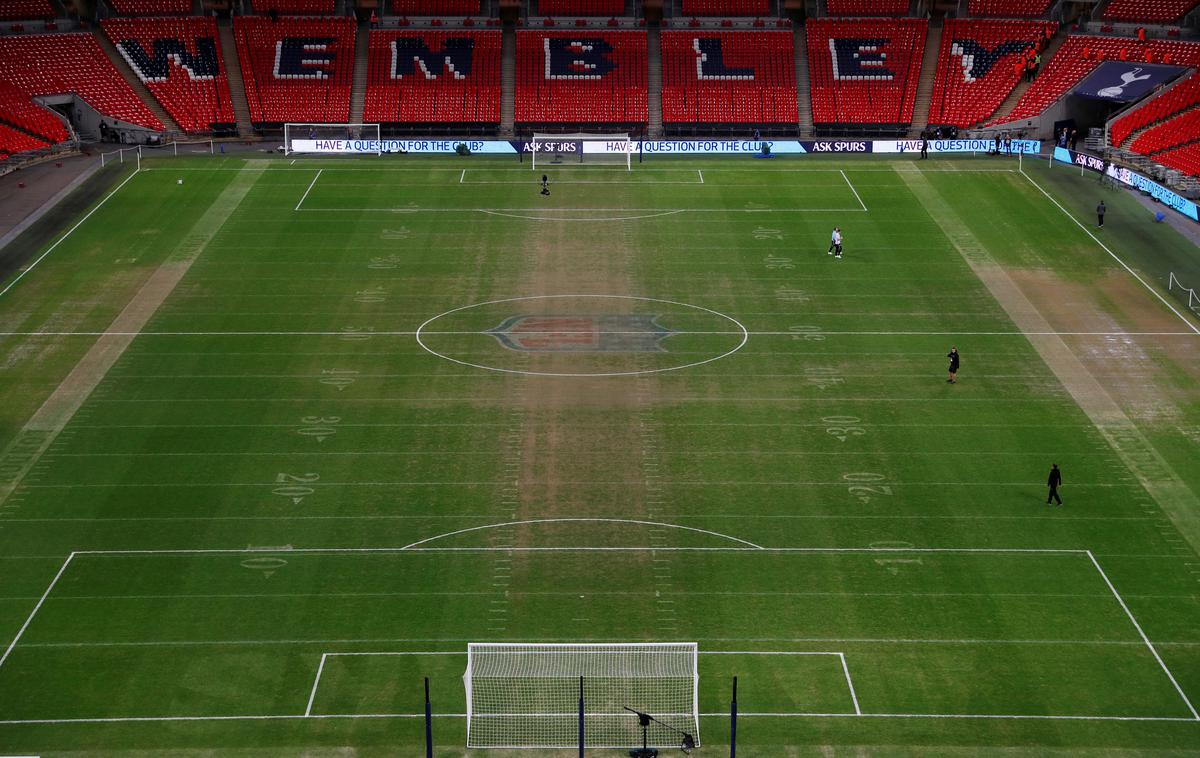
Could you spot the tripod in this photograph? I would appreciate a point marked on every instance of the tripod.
(686, 743)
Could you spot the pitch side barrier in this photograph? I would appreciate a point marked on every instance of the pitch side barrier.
(656, 147)
(1169, 198)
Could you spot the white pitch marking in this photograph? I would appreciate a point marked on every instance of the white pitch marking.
(36, 608)
(69, 232)
(316, 682)
(731, 333)
(850, 684)
(856, 196)
(1142, 634)
(701, 173)
(463, 178)
(1106, 249)
(579, 520)
(310, 186)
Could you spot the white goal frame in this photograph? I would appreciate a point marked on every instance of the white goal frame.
(574, 148)
(559, 667)
(358, 139)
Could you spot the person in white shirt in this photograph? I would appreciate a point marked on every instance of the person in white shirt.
(835, 241)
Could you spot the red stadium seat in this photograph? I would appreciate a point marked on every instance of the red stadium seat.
(195, 92)
(13, 142)
(12, 10)
(976, 71)
(55, 64)
(581, 7)
(296, 69)
(17, 110)
(152, 7)
(581, 77)
(1150, 11)
(1008, 8)
(1182, 96)
(295, 7)
(728, 77)
(867, 7)
(1069, 66)
(726, 8)
(423, 92)
(1185, 159)
(864, 71)
(436, 7)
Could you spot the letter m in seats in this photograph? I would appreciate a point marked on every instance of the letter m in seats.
(202, 66)
(455, 57)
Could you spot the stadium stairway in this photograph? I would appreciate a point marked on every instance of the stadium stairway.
(803, 92)
(139, 88)
(654, 111)
(358, 90)
(508, 80)
(933, 43)
(233, 72)
(1014, 97)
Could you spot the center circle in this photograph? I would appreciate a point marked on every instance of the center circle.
(608, 335)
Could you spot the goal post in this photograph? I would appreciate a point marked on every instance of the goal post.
(331, 139)
(582, 148)
(527, 695)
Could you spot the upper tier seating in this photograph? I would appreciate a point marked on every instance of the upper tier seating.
(55, 64)
(1008, 8)
(1069, 66)
(864, 71)
(179, 60)
(295, 7)
(867, 7)
(152, 7)
(296, 69)
(726, 8)
(436, 7)
(428, 88)
(16, 109)
(14, 10)
(1183, 95)
(1150, 11)
(1185, 159)
(581, 7)
(1171, 133)
(581, 77)
(728, 77)
(976, 67)
(13, 142)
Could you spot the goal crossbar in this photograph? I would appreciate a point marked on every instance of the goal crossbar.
(527, 695)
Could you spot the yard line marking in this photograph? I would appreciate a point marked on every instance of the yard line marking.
(701, 173)
(310, 186)
(856, 195)
(1142, 634)
(313, 695)
(515, 549)
(61, 239)
(36, 608)
(1114, 256)
(462, 179)
(850, 684)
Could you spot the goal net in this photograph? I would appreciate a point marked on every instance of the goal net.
(331, 139)
(581, 148)
(527, 695)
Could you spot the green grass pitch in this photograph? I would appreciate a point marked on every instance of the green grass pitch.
(287, 411)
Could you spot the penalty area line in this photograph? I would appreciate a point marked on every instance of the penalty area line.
(851, 185)
(310, 186)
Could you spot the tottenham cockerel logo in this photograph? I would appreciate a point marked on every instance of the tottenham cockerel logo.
(582, 334)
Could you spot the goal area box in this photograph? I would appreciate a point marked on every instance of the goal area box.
(527, 695)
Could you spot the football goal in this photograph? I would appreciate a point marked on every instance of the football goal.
(588, 149)
(335, 139)
(528, 695)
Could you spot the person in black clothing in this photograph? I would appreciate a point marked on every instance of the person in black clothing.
(953, 356)
(1053, 482)
(1100, 210)
(545, 185)
(924, 145)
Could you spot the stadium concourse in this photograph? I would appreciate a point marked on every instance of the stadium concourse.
(146, 70)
